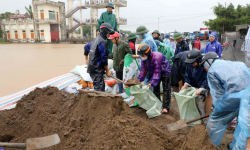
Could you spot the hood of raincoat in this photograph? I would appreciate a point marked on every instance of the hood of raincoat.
(214, 35)
(157, 43)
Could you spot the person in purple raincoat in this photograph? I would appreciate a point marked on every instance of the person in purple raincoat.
(214, 45)
(157, 64)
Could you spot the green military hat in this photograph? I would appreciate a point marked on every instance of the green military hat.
(131, 36)
(110, 5)
(156, 31)
(141, 30)
(177, 36)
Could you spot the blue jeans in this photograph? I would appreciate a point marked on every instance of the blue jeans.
(147, 79)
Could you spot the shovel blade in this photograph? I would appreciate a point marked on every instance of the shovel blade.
(42, 142)
(176, 125)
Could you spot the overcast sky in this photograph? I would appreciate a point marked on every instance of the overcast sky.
(180, 15)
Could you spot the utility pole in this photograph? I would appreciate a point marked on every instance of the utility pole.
(159, 23)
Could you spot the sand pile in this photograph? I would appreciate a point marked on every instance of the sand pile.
(133, 81)
(90, 120)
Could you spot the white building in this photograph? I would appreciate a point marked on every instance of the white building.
(21, 30)
(49, 20)
(48, 24)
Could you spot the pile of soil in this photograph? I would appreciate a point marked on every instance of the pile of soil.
(92, 120)
(201, 143)
(133, 81)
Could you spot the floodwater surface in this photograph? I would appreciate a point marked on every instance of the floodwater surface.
(25, 65)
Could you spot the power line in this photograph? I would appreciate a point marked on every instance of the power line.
(181, 19)
(174, 16)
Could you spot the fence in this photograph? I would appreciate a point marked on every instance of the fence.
(236, 51)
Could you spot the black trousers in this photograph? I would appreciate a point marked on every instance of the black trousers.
(166, 83)
(119, 75)
(98, 81)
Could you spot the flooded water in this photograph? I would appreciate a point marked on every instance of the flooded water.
(25, 65)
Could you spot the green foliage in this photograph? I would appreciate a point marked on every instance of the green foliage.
(29, 11)
(1, 32)
(229, 17)
(125, 31)
(4, 42)
(6, 15)
(86, 30)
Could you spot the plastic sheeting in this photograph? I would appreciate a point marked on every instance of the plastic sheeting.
(167, 42)
(148, 39)
(147, 100)
(242, 131)
(227, 80)
(187, 105)
(217, 124)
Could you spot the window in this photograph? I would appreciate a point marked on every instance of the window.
(57, 17)
(16, 35)
(52, 15)
(24, 34)
(42, 34)
(42, 14)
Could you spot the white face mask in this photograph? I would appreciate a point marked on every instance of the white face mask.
(144, 58)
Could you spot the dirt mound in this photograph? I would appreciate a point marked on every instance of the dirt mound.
(90, 120)
(133, 81)
(201, 143)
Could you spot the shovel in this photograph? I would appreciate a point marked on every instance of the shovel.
(122, 81)
(181, 123)
(35, 143)
(117, 79)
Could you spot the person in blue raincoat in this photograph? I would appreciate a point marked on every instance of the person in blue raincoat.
(214, 45)
(181, 45)
(166, 40)
(86, 52)
(196, 76)
(98, 57)
(229, 86)
(142, 33)
(172, 44)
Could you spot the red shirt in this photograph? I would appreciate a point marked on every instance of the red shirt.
(197, 44)
(132, 46)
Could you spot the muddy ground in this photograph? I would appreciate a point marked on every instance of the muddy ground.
(96, 120)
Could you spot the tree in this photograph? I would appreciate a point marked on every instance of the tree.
(86, 30)
(228, 17)
(125, 31)
(6, 15)
(29, 11)
(1, 32)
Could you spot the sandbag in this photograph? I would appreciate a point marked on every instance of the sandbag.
(147, 100)
(187, 105)
(82, 71)
(131, 70)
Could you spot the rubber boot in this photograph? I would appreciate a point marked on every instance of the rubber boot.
(120, 88)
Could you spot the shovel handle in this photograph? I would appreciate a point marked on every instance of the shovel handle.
(13, 145)
(117, 79)
(196, 119)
